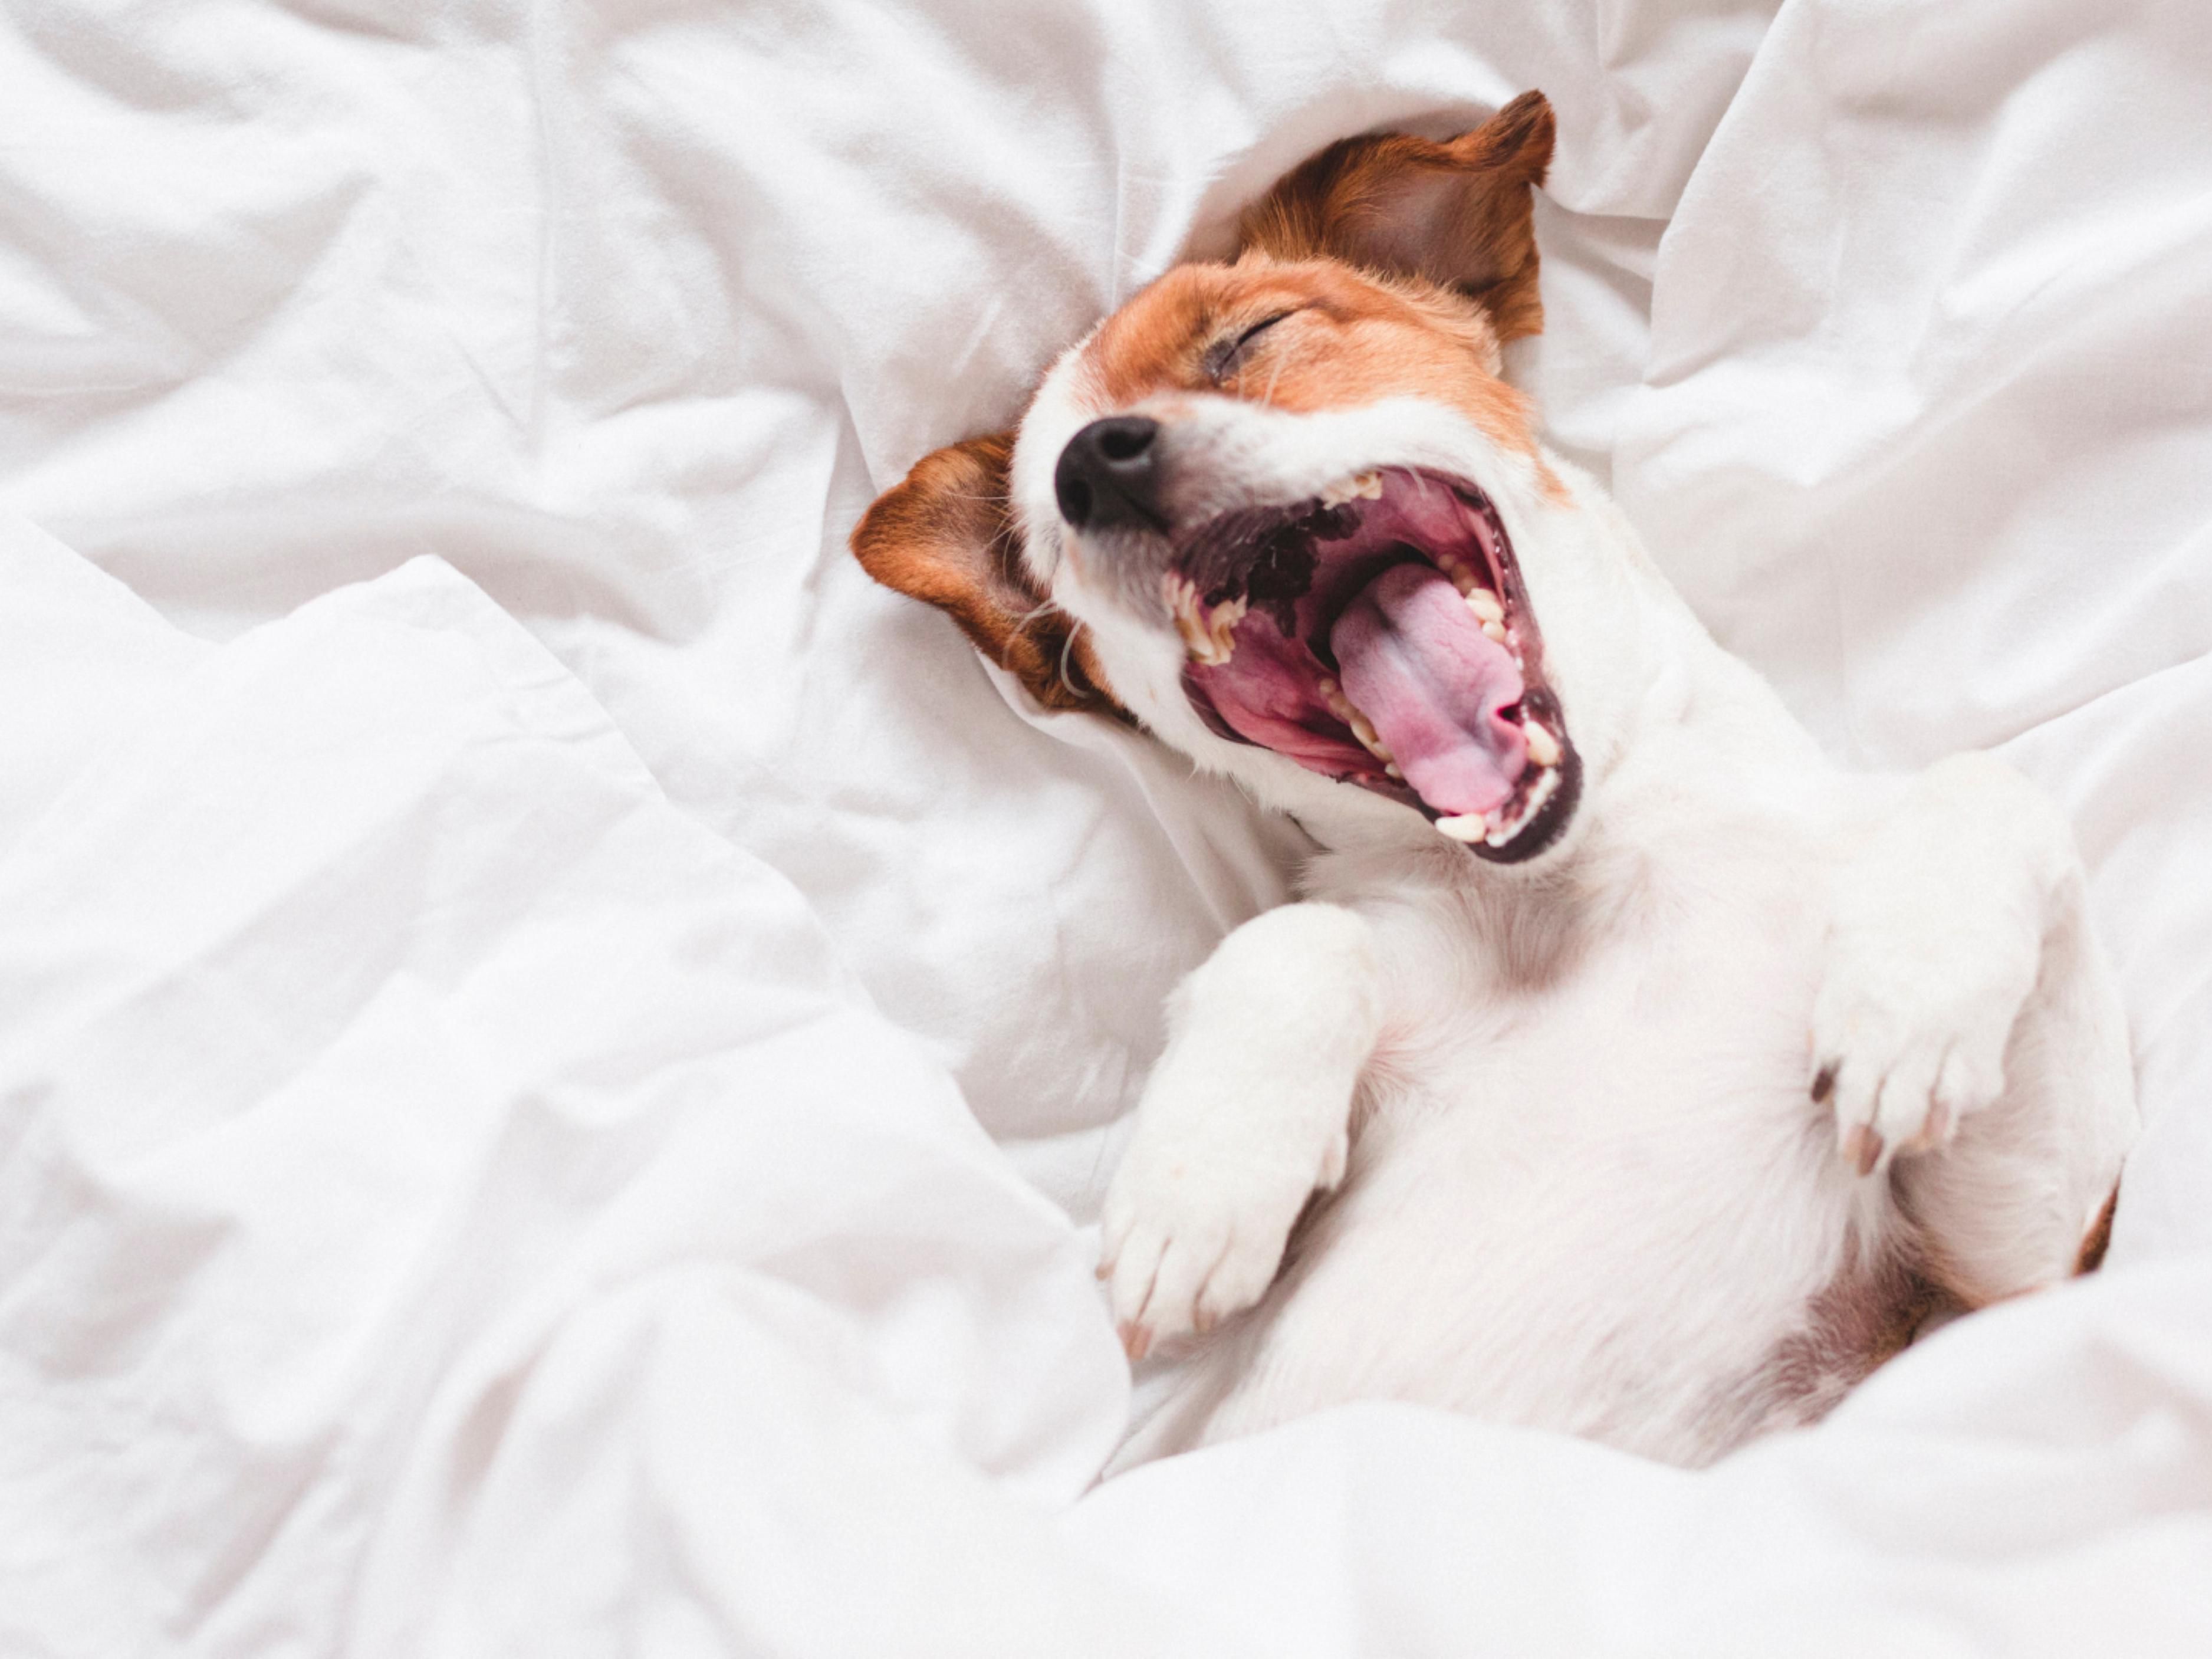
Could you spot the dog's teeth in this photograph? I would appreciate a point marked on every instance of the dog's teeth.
(1467, 827)
(1182, 604)
(1484, 605)
(1221, 628)
(1494, 631)
(1391, 768)
(1363, 486)
(1543, 747)
(1206, 636)
(1363, 729)
(1545, 787)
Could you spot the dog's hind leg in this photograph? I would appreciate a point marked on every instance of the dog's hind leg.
(1246, 1115)
(1968, 1035)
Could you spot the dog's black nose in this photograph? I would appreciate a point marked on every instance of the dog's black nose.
(1108, 476)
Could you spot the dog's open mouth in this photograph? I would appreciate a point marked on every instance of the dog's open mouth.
(1379, 634)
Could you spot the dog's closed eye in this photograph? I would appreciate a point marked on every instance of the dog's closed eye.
(1225, 356)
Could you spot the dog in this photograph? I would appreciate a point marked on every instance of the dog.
(1623, 1067)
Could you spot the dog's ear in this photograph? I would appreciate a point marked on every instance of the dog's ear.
(1457, 212)
(946, 534)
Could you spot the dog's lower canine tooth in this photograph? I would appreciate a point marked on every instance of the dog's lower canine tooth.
(1467, 827)
(1543, 747)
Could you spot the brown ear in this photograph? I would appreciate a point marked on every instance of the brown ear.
(946, 535)
(1457, 212)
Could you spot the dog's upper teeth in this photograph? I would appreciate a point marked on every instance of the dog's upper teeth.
(1364, 486)
(1221, 627)
(1467, 827)
(1207, 635)
(1543, 747)
(1484, 605)
(1182, 604)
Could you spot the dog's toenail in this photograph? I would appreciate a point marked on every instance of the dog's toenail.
(1862, 1148)
(1938, 1128)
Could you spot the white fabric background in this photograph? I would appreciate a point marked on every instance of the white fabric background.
(483, 1164)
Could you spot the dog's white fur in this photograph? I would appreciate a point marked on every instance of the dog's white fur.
(1564, 1108)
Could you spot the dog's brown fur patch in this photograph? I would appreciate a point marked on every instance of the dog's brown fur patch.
(946, 535)
(1350, 339)
(1458, 214)
(1867, 1316)
(1405, 266)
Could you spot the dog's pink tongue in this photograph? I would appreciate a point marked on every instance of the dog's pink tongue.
(1414, 659)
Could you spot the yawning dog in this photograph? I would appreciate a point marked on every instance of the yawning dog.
(1625, 1067)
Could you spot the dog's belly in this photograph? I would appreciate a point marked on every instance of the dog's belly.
(1608, 1208)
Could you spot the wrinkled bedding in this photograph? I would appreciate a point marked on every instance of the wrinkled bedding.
(561, 1050)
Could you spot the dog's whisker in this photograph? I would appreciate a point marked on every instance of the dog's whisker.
(1067, 651)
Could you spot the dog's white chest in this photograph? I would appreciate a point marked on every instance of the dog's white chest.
(1558, 1179)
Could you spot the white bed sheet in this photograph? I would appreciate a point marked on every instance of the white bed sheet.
(486, 1165)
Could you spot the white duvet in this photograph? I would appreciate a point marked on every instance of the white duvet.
(507, 939)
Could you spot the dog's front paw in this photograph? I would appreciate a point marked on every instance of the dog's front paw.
(1905, 1045)
(1195, 1225)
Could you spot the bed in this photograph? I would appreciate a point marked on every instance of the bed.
(561, 1050)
